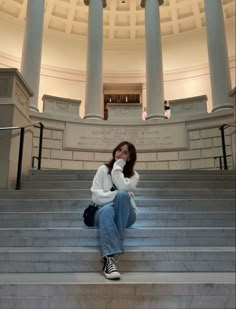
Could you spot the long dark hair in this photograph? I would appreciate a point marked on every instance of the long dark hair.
(129, 166)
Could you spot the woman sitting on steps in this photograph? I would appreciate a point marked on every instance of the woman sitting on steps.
(113, 190)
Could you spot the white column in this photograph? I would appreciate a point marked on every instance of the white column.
(218, 56)
(154, 67)
(94, 85)
(144, 95)
(32, 48)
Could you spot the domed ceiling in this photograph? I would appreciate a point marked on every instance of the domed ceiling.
(123, 19)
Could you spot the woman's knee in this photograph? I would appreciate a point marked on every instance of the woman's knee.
(122, 194)
(106, 210)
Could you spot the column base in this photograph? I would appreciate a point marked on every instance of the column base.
(223, 107)
(156, 117)
(93, 117)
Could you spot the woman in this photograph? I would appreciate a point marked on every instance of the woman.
(113, 190)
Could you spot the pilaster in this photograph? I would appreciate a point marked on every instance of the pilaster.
(14, 112)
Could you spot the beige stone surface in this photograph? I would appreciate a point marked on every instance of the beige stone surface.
(179, 165)
(14, 104)
(146, 156)
(167, 156)
(194, 134)
(141, 166)
(72, 165)
(198, 153)
(61, 154)
(214, 132)
(92, 165)
(83, 156)
(150, 137)
(157, 165)
(203, 163)
(98, 156)
(202, 143)
(191, 154)
(52, 144)
(49, 163)
(57, 134)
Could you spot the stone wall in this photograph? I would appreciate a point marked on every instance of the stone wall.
(203, 145)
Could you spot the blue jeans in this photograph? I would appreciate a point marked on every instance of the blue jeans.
(112, 220)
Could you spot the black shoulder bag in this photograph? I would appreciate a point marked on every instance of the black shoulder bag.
(90, 211)
(89, 214)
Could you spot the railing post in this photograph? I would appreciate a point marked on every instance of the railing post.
(40, 145)
(223, 146)
(21, 146)
(220, 163)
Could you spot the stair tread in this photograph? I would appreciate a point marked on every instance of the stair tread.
(127, 249)
(129, 229)
(144, 198)
(127, 278)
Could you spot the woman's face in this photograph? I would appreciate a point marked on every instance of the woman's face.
(122, 153)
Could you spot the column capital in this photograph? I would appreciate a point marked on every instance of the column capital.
(86, 2)
(142, 4)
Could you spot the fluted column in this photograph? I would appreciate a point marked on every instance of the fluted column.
(32, 48)
(94, 85)
(218, 56)
(154, 67)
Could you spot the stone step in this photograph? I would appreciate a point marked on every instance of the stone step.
(156, 236)
(141, 172)
(84, 184)
(144, 219)
(144, 204)
(135, 259)
(135, 290)
(147, 177)
(144, 192)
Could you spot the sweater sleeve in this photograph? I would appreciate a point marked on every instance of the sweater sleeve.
(101, 195)
(121, 182)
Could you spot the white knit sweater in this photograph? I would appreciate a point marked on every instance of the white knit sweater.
(103, 182)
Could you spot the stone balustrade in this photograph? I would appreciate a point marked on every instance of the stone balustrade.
(161, 144)
(61, 107)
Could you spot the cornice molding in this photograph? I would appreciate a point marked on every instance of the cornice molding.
(86, 2)
(142, 4)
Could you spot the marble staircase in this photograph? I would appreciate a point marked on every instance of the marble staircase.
(180, 254)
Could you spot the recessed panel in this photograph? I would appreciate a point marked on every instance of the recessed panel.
(60, 11)
(122, 34)
(57, 25)
(184, 12)
(122, 20)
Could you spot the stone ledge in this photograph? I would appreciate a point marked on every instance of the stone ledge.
(64, 107)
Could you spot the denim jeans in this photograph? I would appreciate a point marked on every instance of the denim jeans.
(112, 220)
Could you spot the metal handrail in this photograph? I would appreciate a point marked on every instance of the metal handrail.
(21, 146)
(29, 125)
(220, 160)
(222, 131)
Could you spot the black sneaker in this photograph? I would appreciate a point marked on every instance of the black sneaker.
(109, 268)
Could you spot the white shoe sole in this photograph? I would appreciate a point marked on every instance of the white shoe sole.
(112, 276)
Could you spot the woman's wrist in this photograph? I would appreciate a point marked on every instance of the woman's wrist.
(120, 162)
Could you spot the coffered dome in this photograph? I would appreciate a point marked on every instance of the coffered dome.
(123, 19)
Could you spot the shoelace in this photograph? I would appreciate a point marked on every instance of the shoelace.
(110, 265)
